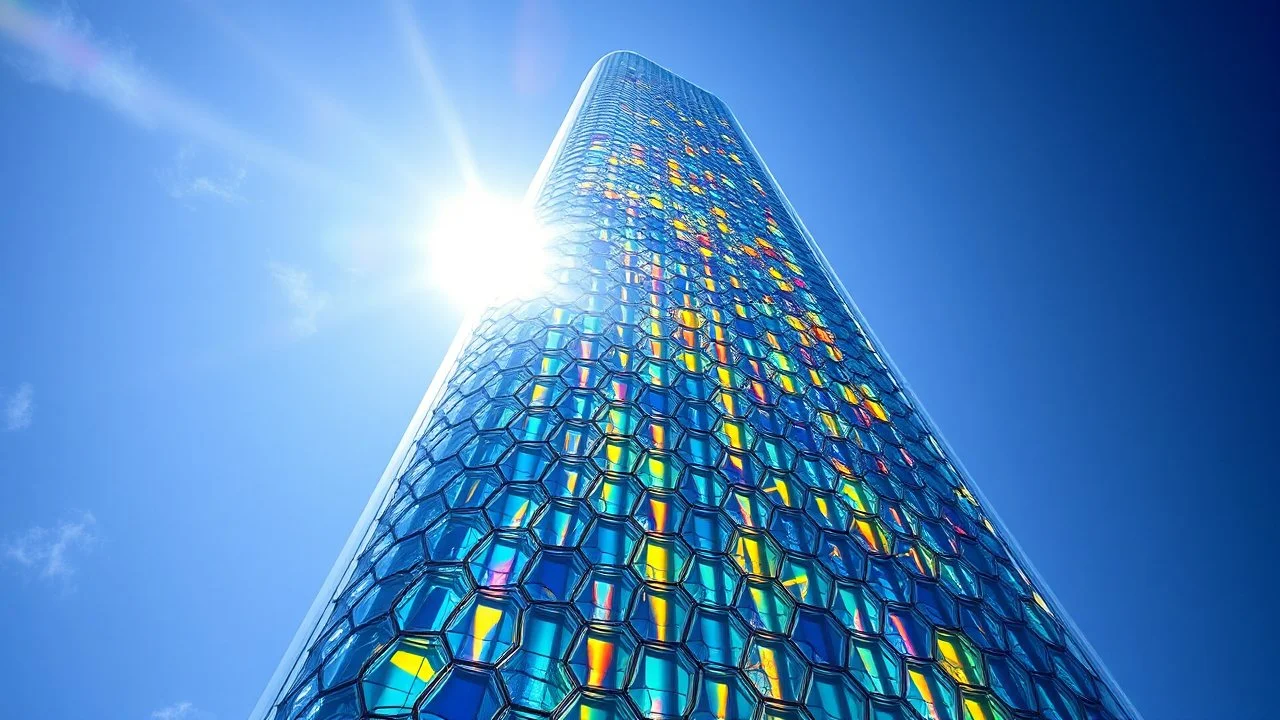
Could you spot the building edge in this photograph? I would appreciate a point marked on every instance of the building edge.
(382, 492)
(317, 614)
(952, 456)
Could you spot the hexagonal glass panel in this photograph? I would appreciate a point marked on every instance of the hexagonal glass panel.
(401, 674)
(602, 657)
(661, 682)
(484, 629)
(681, 480)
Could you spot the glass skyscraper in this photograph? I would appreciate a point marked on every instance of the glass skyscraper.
(683, 481)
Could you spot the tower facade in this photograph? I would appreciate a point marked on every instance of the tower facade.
(683, 481)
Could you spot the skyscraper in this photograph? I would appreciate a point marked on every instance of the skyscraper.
(683, 481)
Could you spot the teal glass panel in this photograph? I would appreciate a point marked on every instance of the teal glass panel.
(680, 480)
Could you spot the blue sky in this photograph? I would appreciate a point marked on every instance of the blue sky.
(214, 320)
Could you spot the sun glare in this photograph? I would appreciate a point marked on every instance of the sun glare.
(482, 249)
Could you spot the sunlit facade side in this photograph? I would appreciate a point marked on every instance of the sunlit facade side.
(682, 482)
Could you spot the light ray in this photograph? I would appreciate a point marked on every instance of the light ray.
(322, 104)
(436, 94)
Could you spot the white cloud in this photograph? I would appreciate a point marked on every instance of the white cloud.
(306, 301)
(19, 408)
(205, 185)
(180, 711)
(177, 711)
(193, 176)
(50, 552)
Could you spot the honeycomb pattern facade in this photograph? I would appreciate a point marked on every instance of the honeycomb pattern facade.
(682, 483)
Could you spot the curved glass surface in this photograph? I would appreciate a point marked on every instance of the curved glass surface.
(683, 482)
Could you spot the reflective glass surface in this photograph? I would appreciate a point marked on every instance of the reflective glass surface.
(683, 482)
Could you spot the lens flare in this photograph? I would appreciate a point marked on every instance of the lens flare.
(484, 249)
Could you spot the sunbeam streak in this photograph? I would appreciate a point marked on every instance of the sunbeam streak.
(324, 106)
(437, 96)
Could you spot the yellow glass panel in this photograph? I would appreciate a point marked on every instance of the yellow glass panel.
(769, 664)
(821, 502)
(858, 494)
(599, 657)
(780, 489)
(748, 552)
(486, 619)
(722, 701)
(658, 607)
(657, 560)
(876, 538)
(734, 435)
(921, 684)
(414, 665)
(659, 509)
(952, 662)
(877, 410)
(800, 579)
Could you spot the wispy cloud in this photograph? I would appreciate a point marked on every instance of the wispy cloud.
(180, 711)
(306, 301)
(50, 552)
(61, 49)
(207, 186)
(19, 408)
(192, 176)
(63, 52)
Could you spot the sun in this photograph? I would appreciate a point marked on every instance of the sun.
(484, 249)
